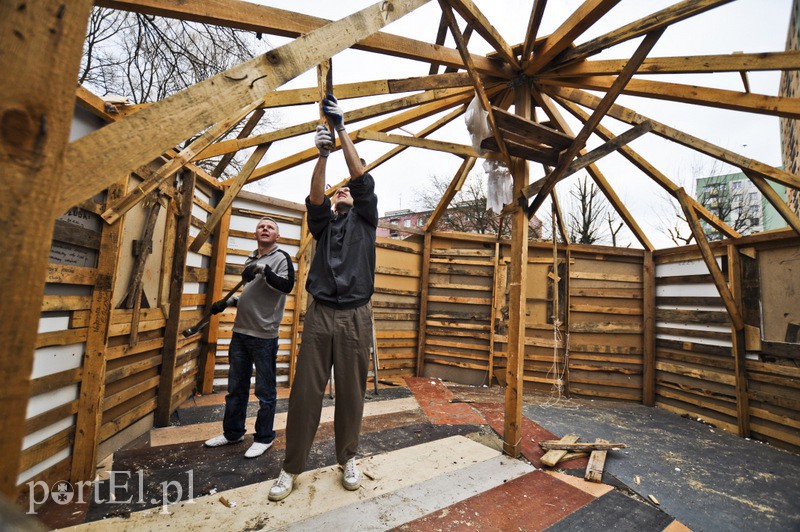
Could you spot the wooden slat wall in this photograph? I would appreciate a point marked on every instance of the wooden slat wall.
(459, 310)
(695, 367)
(606, 329)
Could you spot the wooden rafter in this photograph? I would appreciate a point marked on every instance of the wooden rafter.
(598, 177)
(452, 189)
(371, 111)
(654, 21)
(578, 22)
(96, 160)
(610, 146)
(782, 106)
(441, 35)
(462, 150)
(273, 21)
(774, 198)
(473, 74)
(652, 172)
(478, 21)
(600, 111)
(537, 12)
(559, 214)
(628, 116)
(692, 64)
(248, 128)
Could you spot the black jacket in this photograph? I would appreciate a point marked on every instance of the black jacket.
(342, 273)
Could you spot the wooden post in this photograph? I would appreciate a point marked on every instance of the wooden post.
(567, 263)
(216, 282)
(496, 302)
(299, 292)
(649, 328)
(93, 382)
(35, 112)
(738, 347)
(512, 427)
(170, 351)
(424, 281)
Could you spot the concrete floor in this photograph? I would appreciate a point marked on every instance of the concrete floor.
(432, 461)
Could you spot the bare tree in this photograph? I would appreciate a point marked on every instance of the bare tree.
(587, 214)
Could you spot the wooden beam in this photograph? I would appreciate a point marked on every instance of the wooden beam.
(36, 112)
(738, 346)
(782, 106)
(248, 128)
(477, 20)
(628, 116)
(595, 172)
(649, 329)
(581, 19)
(518, 146)
(537, 12)
(608, 147)
(424, 282)
(231, 192)
(452, 189)
(774, 198)
(113, 213)
(462, 150)
(388, 124)
(480, 91)
(216, 281)
(690, 64)
(497, 303)
(93, 380)
(441, 35)
(273, 21)
(515, 361)
(99, 158)
(558, 213)
(170, 350)
(711, 262)
(536, 132)
(655, 21)
(651, 171)
(371, 111)
(608, 100)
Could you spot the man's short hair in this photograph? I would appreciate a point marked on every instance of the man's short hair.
(269, 219)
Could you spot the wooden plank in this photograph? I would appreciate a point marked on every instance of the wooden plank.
(694, 64)
(602, 108)
(628, 116)
(610, 146)
(274, 21)
(477, 20)
(101, 157)
(560, 445)
(36, 115)
(518, 272)
(424, 281)
(461, 150)
(169, 352)
(658, 20)
(535, 21)
(534, 131)
(452, 189)
(551, 458)
(738, 348)
(782, 106)
(774, 198)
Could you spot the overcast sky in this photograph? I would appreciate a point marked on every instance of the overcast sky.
(743, 25)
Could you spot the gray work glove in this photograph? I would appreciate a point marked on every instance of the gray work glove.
(334, 113)
(323, 140)
(251, 271)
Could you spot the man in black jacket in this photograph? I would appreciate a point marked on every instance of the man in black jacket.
(337, 331)
(268, 276)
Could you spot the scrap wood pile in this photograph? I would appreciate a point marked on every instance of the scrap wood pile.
(568, 448)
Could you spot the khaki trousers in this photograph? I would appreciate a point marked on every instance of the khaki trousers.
(331, 338)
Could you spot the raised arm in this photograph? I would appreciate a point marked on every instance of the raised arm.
(324, 142)
(330, 106)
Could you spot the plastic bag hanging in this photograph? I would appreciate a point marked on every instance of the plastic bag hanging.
(477, 124)
(499, 185)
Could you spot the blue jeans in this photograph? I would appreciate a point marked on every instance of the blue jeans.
(243, 353)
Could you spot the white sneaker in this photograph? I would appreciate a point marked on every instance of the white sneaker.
(257, 449)
(220, 440)
(282, 487)
(351, 478)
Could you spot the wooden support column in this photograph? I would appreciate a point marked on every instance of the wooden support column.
(35, 113)
(567, 266)
(170, 351)
(649, 328)
(496, 303)
(93, 381)
(738, 347)
(424, 281)
(216, 286)
(303, 264)
(512, 427)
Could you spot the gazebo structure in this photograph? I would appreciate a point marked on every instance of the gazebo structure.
(707, 330)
